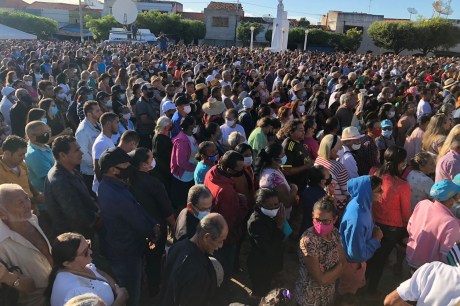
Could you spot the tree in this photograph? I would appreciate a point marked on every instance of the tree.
(243, 32)
(304, 23)
(43, 27)
(352, 39)
(192, 30)
(435, 33)
(100, 27)
(394, 36)
(268, 35)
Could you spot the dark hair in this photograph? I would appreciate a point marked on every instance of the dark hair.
(263, 194)
(187, 122)
(266, 156)
(316, 175)
(35, 114)
(202, 147)
(331, 124)
(130, 135)
(140, 155)
(326, 204)
(243, 147)
(375, 181)
(88, 106)
(392, 158)
(211, 129)
(65, 248)
(61, 77)
(230, 158)
(264, 111)
(289, 128)
(13, 143)
(62, 145)
(45, 104)
(107, 117)
(43, 84)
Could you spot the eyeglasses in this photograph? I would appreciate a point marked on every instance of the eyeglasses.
(85, 252)
(387, 129)
(321, 221)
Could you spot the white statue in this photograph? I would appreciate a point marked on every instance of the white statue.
(280, 29)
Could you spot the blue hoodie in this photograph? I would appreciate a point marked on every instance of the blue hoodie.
(357, 225)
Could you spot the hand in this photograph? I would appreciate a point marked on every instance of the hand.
(280, 217)
(377, 234)
(68, 131)
(3, 273)
(121, 294)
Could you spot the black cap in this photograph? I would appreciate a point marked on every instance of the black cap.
(101, 95)
(82, 91)
(112, 157)
(116, 89)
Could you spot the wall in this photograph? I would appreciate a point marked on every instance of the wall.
(220, 33)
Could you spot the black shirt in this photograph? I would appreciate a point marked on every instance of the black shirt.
(296, 156)
(18, 115)
(162, 150)
(186, 224)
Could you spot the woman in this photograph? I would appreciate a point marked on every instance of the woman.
(387, 111)
(423, 166)
(122, 78)
(11, 77)
(183, 162)
(268, 172)
(321, 257)
(265, 230)
(53, 118)
(413, 142)
(406, 123)
(298, 109)
(103, 83)
(310, 143)
(454, 135)
(162, 150)
(245, 184)
(207, 157)
(435, 134)
(258, 138)
(125, 123)
(151, 194)
(327, 156)
(73, 273)
(391, 213)
(62, 80)
(33, 93)
(285, 114)
(214, 134)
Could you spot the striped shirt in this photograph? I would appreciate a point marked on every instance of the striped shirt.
(340, 178)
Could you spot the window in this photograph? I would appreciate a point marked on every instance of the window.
(220, 22)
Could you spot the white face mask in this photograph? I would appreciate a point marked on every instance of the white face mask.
(127, 117)
(391, 114)
(187, 109)
(283, 159)
(62, 95)
(248, 161)
(356, 146)
(301, 109)
(269, 212)
(153, 164)
(291, 116)
(230, 123)
(195, 130)
(123, 96)
(322, 106)
(277, 99)
(189, 79)
(28, 83)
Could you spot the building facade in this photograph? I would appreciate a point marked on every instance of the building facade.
(221, 20)
(168, 7)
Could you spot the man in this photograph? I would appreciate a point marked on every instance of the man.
(183, 108)
(368, 154)
(449, 165)
(270, 78)
(23, 244)
(351, 140)
(199, 202)
(190, 278)
(229, 203)
(86, 134)
(434, 283)
(345, 112)
(170, 91)
(231, 125)
(147, 113)
(109, 123)
(5, 105)
(45, 88)
(18, 112)
(127, 224)
(423, 106)
(226, 79)
(69, 203)
(245, 117)
(39, 158)
(129, 141)
(433, 229)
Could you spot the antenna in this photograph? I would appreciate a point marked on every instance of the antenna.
(412, 11)
(442, 8)
(268, 18)
(124, 11)
(370, 4)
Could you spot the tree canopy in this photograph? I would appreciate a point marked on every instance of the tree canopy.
(43, 27)
(243, 31)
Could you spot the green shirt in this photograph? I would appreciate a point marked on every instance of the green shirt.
(258, 141)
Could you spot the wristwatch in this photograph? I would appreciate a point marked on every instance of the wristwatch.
(16, 283)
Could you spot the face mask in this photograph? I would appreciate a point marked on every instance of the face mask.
(237, 174)
(248, 161)
(387, 133)
(44, 120)
(125, 173)
(284, 160)
(127, 116)
(291, 117)
(189, 79)
(277, 99)
(108, 103)
(322, 106)
(356, 146)
(28, 83)
(391, 114)
(230, 123)
(304, 94)
(269, 212)
(195, 130)
(62, 95)
(153, 164)
(123, 96)
(213, 159)
(90, 96)
(156, 65)
(54, 110)
(323, 229)
(274, 116)
(44, 138)
(301, 109)
(202, 214)
(377, 132)
(187, 109)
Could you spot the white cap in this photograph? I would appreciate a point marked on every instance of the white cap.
(247, 102)
(210, 78)
(6, 91)
(167, 106)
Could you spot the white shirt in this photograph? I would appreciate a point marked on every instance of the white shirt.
(420, 186)
(68, 285)
(433, 284)
(5, 106)
(101, 144)
(348, 161)
(226, 131)
(423, 107)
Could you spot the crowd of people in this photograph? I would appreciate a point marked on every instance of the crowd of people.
(130, 170)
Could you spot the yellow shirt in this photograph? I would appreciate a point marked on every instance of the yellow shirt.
(7, 175)
(16, 250)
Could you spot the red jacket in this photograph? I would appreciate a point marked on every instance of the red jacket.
(226, 202)
(394, 209)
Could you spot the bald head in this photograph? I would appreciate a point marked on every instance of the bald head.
(213, 224)
(7, 193)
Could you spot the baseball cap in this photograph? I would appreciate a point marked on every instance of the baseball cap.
(112, 157)
(444, 190)
(101, 95)
(167, 106)
(386, 123)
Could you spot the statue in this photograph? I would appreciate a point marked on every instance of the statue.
(280, 29)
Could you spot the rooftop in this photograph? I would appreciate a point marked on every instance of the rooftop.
(13, 4)
(57, 6)
(224, 6)
(193, 16)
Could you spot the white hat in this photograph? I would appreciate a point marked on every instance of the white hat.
(210, 78)
(167, 106)
(6, 91)
(351, 133)
(247, 102)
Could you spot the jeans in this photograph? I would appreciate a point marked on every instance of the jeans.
(391, 237)
(128, 272)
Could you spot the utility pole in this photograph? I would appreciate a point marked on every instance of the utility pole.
(236, 19)
(81, 20)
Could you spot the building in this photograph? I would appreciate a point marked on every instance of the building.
(221, 20)
(167, 7)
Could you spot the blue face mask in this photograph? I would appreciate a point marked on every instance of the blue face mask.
(387, 134)
(54, 110)
(44, 120)
(213, 159)
(202, 214)
(108, 103)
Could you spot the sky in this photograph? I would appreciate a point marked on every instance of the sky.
(312, 10)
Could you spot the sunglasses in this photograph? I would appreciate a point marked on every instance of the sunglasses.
(85, 252)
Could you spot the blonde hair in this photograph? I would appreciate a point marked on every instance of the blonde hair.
(434, 130)
(325, 147)
(454, 135)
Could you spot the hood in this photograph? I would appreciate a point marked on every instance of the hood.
(218, 178)
(360, 191)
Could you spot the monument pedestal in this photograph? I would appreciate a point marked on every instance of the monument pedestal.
(280, 30)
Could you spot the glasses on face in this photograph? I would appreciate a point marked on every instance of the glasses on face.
(387, 129)
(323, 221)
(85, 252)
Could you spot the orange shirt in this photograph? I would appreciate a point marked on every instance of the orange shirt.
(7, 175)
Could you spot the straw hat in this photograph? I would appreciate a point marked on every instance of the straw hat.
(351, 133)
(449, 83)
(298, 87)
(214, 107)
(200, 86)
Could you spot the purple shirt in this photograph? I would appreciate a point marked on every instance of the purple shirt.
(448, 166)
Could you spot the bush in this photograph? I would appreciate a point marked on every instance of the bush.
(43, 27)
